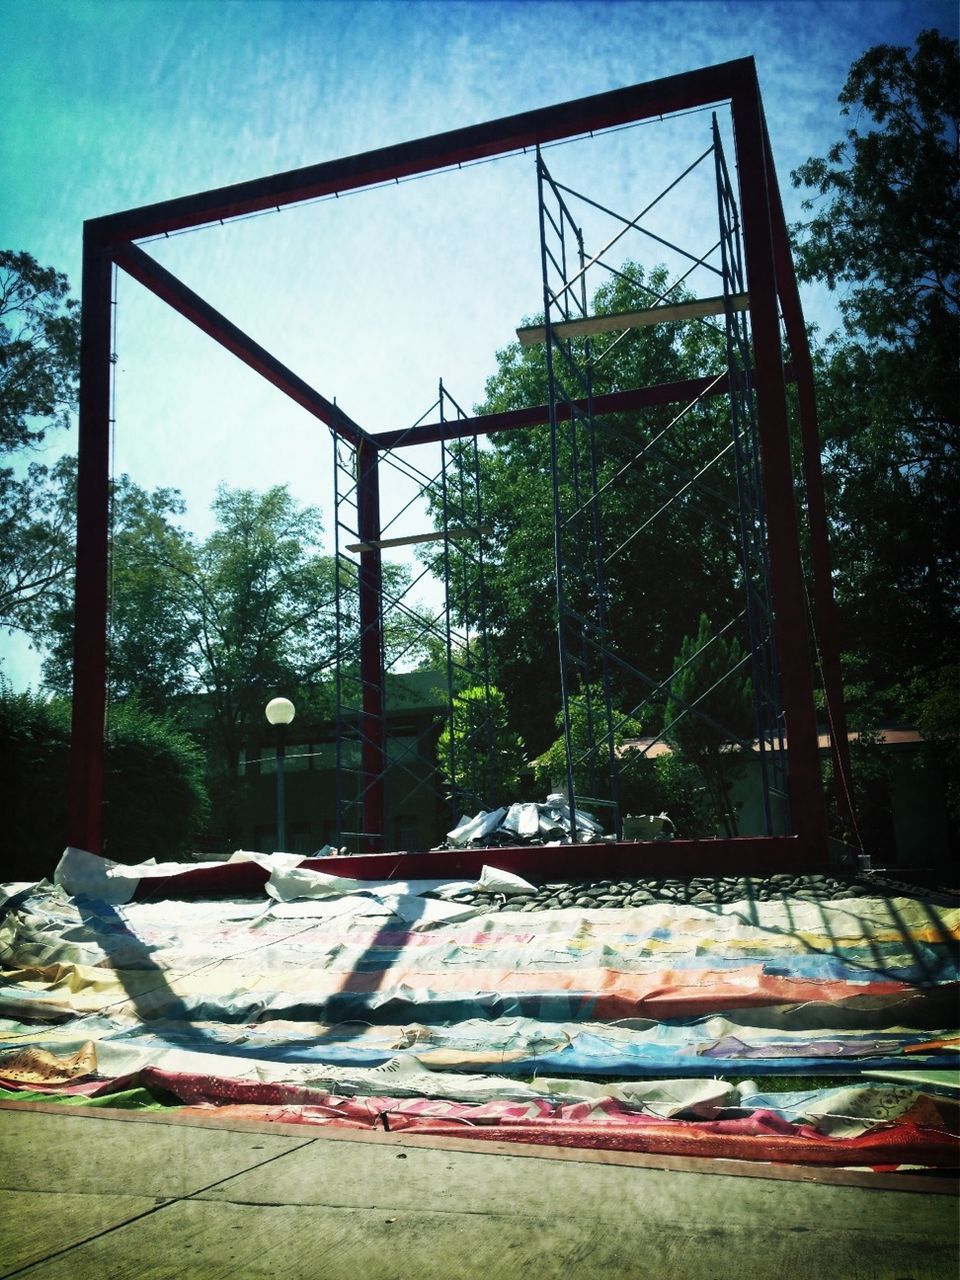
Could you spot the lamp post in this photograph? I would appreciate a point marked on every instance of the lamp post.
(279, 712)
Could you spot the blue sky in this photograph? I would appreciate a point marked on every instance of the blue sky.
(372, 298)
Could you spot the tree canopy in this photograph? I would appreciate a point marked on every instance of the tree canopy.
(235, 616)
(37, 512)
(39, 350)
(884, 232)
(39, 357)
(657, 587)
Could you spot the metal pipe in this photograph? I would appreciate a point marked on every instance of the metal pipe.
(689, 390)
(281, 808)
(823, 601)
(372, 728)
(190, 305)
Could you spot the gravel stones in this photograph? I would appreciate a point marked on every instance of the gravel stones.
(707, 891)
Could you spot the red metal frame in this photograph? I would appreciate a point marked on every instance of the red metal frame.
(771, 284)
(742, 855)
(537, 415)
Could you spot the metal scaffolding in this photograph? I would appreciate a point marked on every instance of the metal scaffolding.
(724, 491)
(381, 631)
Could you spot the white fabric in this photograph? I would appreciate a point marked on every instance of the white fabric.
(493, 880)
(79, 872)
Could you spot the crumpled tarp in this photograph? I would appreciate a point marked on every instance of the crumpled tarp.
(525, 823)
(328, 987)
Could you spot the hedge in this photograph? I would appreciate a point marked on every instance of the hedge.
(155, 799)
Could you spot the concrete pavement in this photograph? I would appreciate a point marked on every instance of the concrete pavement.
(118, 1196)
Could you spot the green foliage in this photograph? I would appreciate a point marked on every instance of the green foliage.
(155, 792)
(936, 698)
(483, 759)
(238, 616)
(39, 350)
(690, 555)
(711, 710)
(550, 769)
(36, 544)
(888, 227)
(33, 784)
(871, 778)
(666, 784)
(156, 801)
(39, 360)
(885, 229)
(647, 785)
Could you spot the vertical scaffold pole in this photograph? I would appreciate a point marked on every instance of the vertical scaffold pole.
(93, 483)
(557, 531)
(372, 735)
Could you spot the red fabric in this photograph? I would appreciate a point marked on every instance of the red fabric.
(763, 1135)
(901, 1144)
(606, 1125)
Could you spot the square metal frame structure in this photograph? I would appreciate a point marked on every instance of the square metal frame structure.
(109, 241)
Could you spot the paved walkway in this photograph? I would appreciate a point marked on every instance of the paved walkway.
(113, 1197)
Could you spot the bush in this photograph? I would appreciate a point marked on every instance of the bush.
(588, 744)
(666, 784)
(155, 796)
(483, 761)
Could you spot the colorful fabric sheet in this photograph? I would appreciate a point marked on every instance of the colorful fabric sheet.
(356, 989)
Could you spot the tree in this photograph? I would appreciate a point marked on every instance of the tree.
(156, 796)
(39, 350)
(236, 616)
(39, 357)
(668, 784)
(148, 656)
(550, 769)
(885, 227)
(258, 600)
(710, 710)
(37, 512)
(481, 759)
(690, 559)
(220, 624)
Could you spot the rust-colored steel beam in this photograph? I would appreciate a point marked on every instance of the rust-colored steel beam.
(741, 855)
(181, 298)
(825, 613)
(108, 238)
(93, 505)
(425, 155)
(808, 811)
(536, 415)
(489, 424)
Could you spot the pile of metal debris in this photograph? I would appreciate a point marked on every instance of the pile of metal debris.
(528, 822)
(525, 823)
